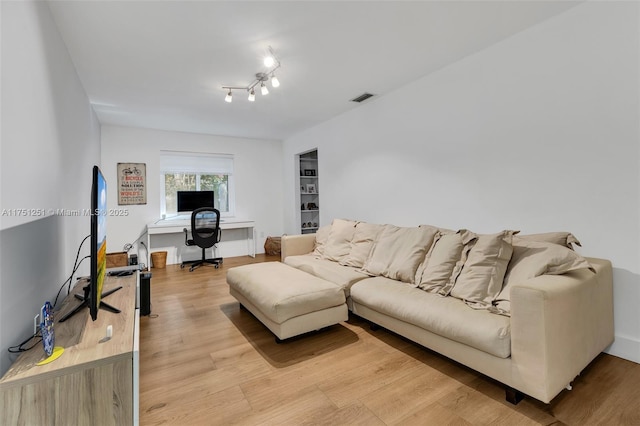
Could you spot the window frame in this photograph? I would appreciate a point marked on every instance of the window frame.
(172, 162)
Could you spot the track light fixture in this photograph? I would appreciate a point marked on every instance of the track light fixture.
(272, 63)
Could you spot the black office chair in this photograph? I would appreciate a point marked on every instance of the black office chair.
(205, 233)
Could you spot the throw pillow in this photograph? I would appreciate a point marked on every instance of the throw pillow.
(339, 240)
(322, 234)
(483, 272)
(566, 239)
(444, 261)
(441, 230)
(398, 252)
(362, 242)
(438, 233)
(531, 259)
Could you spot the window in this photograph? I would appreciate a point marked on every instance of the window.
(192, 171)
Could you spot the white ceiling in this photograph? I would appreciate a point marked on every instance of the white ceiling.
(161, 64)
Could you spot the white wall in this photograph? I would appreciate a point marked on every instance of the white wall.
(50, 139)
(258, 182)
(538, 133)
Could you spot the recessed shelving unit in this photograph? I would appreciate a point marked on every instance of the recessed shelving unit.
(309, 200)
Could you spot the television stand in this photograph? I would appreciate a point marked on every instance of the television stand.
(92, 383)
(85, 303)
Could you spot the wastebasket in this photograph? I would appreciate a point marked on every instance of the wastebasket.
(159, 259)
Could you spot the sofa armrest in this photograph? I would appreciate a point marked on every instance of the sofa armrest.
(559, 324)
(292, 245)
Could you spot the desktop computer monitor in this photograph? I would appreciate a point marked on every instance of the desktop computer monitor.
(188, 201)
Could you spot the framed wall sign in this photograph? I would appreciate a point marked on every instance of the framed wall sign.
(132, 184)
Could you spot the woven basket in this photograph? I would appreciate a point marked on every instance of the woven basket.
(272, 246)
(159, 259)
(116, 260)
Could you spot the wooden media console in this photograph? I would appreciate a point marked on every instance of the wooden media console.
(95, 380)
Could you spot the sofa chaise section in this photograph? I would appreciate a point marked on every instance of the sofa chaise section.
(287, 301)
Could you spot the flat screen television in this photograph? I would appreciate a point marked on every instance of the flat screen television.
(98, 240)
(93, 294)
(188, 201)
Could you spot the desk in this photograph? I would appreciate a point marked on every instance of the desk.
(176, 226)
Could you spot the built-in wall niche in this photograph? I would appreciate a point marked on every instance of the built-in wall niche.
(308, 200)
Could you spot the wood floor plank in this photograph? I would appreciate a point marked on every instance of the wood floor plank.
(355, 414)
(287, 381)
(477, 408)
(205, 361)
(606, 393)
(307, 404)
(369, 377)
(410, 394)
(217, 408)
(432, 414)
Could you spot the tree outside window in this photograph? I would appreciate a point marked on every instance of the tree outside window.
(218, 183)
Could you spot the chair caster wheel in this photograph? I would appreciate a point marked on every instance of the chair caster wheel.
(217, 266)
(181, 266)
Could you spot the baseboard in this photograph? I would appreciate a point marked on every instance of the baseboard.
(625, 347)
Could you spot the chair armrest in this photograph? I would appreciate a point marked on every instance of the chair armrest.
(292, 245)
(559, 324)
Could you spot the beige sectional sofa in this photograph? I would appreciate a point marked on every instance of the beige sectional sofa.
(526, 310)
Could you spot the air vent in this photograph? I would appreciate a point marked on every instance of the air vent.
(362, 97)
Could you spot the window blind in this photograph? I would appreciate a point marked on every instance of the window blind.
(194, 162)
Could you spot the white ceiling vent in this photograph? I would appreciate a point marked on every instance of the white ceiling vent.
(362, 97)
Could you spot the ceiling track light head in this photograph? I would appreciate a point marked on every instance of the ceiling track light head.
(274, 80)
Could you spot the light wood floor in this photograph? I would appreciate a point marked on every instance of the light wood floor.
(204, 361)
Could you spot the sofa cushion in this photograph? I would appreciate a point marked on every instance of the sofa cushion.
(483, 272)
(444, 261)
(534, 258)
(322, 234)
(338, 242)
(342, 276)
(362, 242)
(398, 252)
(439, 229)
(446, 316)
(566, 239)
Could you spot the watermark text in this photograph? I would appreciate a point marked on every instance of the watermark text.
(36, 212)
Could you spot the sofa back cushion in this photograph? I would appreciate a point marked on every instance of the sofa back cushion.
(338, 242)
(398, 252)
(444, 261)
(534, 258)
(482, 275)
(322, 234)
(362, 242)
(566, 239)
